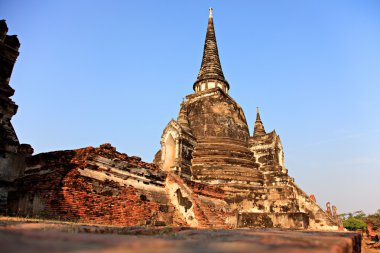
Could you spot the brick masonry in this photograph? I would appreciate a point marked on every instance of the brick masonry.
(73, 185)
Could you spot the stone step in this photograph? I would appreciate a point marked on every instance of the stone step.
(222, 172)
(230, 153)
(222, 160)
(221, 140)
(212, 216)
(213, 177)
(223, 146)
(201, 151)
(238, 169)
(238, 188)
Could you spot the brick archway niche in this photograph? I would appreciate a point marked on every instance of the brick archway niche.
(170, 153)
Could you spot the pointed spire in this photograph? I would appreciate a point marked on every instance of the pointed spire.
(258, 114)
(259, 127)
(211, 69)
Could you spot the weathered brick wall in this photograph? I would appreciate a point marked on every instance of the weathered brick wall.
(66, 185)
(12, 154)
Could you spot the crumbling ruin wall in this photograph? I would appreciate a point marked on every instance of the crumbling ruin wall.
(318, 218)
(95, 185)
(12, 154)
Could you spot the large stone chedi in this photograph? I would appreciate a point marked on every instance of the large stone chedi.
(220, 174)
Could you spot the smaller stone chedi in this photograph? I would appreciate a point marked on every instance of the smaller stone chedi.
(210, 171)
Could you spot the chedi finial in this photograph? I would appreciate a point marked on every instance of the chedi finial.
(210, 10)
(259, 127)
(210, 74)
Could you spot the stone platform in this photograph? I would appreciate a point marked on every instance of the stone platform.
(22, 235)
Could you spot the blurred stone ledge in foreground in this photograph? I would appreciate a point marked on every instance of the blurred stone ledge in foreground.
(21, 235)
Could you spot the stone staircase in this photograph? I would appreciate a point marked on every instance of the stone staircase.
(206, 217)
(215, 218)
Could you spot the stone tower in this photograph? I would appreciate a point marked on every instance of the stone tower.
(12, 154)
(209, 146)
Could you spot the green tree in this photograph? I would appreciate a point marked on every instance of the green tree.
(345, 216)
(360, 215)
(373, 219)
(354, 224)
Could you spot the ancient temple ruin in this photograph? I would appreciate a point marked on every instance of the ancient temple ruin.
(210, 172)
(210, 145)
(12, 153)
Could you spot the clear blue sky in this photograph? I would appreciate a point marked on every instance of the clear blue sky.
(92, 72)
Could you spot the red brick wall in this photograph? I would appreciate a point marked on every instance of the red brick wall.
(63, 193)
